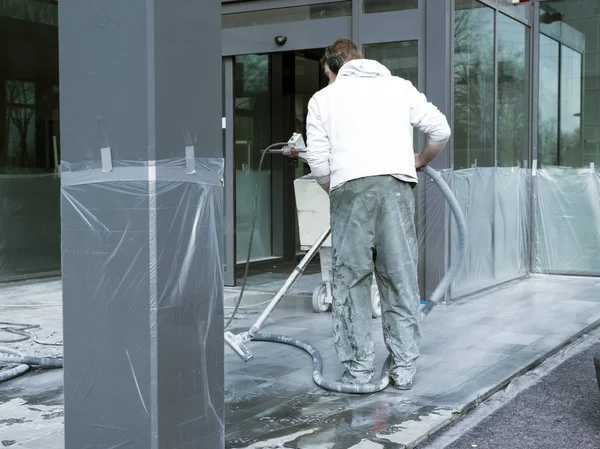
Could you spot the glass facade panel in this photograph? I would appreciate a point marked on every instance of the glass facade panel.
(252, 133)
(400, 57)
(473, 85)
(548, 102)
(570, 108)
(513, 92)
(286, 15)
(567, 207)
(29, 139)
(375, 6)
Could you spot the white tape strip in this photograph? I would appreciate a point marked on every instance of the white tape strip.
(152, 173)
(190, 160)
(106, 156)
(592, 167)
(224, 122)
(534, 167)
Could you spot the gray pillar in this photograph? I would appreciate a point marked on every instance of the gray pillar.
(438, 84)
(142, 214)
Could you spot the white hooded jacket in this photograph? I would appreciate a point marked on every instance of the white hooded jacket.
(362, 125)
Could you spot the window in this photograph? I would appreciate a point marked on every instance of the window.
(402, 58)
(473, 85)
(252, 132)
(29, 139)
(375, 6)
(286, 15)
(20, 117)
(548, 102)
(513, 92)
(570, 108)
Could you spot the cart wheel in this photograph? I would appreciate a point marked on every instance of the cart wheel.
(376, 304)
(319, 298)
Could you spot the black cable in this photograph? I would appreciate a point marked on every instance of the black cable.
(257, 185)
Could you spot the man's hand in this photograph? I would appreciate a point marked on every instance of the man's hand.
(429, 153)
(325, 187)
(419, 163)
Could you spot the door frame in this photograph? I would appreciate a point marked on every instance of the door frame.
(361, 28)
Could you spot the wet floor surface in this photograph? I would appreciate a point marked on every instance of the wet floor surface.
(470, 349)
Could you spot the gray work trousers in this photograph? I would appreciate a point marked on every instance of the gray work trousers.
(373, 228)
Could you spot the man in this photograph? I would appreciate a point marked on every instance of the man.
(360, 150)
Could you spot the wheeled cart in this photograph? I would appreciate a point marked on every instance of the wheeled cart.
(312, 203)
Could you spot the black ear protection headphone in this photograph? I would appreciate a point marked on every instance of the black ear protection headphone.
(335, 63)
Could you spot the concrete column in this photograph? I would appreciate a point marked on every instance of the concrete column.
(438, 88)
(142, 211)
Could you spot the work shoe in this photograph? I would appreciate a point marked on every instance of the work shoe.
(402, 379)
(348, 378)
(402, 386)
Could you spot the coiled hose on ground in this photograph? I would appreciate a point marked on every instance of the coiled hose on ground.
(435, 298)
(23, 362)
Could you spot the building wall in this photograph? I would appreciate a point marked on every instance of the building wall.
(525, 93)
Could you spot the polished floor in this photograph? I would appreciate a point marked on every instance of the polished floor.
(470, 349)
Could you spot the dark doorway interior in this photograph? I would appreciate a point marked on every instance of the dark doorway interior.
(271, 95)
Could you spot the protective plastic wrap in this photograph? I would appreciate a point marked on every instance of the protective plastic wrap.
(29, 225)
(142, 246)
(523, 221)
(568, 221)
(496, 203)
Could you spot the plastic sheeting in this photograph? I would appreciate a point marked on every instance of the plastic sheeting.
(568, 221)
(143, 280)
(505, 244)
(523, 221)
(496, 204)
(29, 225)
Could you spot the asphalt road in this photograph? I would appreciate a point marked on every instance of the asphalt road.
(561, 410)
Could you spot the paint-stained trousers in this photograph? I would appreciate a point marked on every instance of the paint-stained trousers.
(373, 228)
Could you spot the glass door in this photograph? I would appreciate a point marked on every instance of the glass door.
(303, 76)
(265, 83)
(252, 133)
(274, 59)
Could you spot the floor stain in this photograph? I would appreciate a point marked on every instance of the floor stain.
(13, 421)
(53, 415)
(332, 418)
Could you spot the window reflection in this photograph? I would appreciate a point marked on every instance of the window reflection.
(513, 92)
(252, 132)
(285, 15)
(548, 102)
(29, 139)
(375, 6)
(570, 108)
(473, 85)
(20, 115)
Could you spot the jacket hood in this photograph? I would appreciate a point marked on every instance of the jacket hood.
(364, 68)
